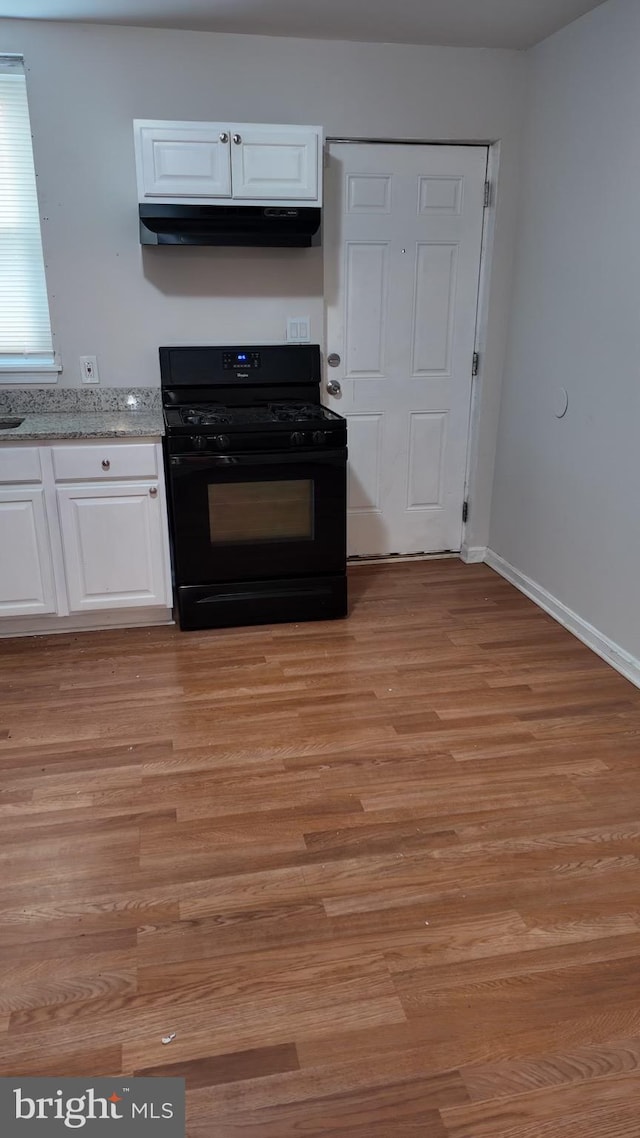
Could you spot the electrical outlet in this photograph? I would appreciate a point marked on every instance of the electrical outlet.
(298, 329)
(89, 369)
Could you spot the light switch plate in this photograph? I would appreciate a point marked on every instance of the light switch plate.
(298, 329)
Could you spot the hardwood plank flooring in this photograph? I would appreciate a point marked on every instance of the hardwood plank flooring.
(380, 877)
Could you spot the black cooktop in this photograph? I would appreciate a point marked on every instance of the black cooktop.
(213, 414)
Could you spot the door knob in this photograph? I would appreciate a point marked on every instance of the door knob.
(333, 387)
(237, 139)
(224, 137)
(153, 491)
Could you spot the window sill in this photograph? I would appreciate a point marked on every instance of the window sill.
(18, 370)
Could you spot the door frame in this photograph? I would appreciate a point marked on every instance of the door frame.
(468, 553)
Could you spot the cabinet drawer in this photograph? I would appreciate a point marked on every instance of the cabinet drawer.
(132, 460)
(20, 464)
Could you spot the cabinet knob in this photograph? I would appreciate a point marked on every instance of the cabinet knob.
(106, 465)
(237, 139)
(224, 137)
(153, 491)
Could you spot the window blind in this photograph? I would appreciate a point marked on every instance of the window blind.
(25, 327)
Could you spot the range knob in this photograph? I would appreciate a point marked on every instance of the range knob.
(223, 442)
(297, 439)
(199, 442)
(319, 437)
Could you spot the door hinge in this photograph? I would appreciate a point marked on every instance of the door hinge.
(465, 511)
(487, 194)
(475, 363)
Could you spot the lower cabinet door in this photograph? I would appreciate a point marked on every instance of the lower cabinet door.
(26, 573)
(113, 544)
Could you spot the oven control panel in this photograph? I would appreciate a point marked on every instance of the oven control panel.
(240, 361)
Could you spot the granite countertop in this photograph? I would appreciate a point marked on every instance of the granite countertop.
(85, 425)
(72, 413)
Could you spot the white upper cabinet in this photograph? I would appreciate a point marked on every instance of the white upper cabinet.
(177, 160)
(275, 163)
(191, 162)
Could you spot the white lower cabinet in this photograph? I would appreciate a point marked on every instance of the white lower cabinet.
(26, 571)
(83, 530)
(112, 543)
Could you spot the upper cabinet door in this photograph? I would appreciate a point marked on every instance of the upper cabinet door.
(182, 160)
(279, 163)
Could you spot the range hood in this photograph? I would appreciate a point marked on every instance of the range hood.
(271, 225)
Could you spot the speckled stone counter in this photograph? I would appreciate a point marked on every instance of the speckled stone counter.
(74, 413)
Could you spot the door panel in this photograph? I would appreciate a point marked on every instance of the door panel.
(403, 234)
(278, 164)
(26, 574)
(434, 294)
(112, 538)
(427, 435)
(367, 274)
(364, 484)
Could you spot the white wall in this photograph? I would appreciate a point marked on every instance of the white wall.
(109, 297)
(565, 510)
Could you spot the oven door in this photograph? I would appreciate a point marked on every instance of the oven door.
(254, 516)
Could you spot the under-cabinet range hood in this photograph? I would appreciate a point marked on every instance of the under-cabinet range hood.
(264, 225)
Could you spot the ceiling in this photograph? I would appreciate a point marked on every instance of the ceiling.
(465, 23)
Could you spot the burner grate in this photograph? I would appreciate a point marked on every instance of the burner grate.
(295, 412)
(280, 412)
(207, 416)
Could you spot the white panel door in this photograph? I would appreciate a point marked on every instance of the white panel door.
(275, 163)
(26, 573)
(403, 235)
(183, 161)
(112, 539)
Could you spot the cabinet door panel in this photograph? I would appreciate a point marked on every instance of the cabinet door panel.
(183, 162)
(275, 164)
(26, 574)
(112, 538)
(20, 464)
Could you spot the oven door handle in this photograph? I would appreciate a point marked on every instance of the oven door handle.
(334, 457)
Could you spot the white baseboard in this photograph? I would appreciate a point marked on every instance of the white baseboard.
(473, 554)
(85, 622)
(619, 659)
(394, 558)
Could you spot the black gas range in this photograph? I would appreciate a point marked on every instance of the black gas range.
(256, 472)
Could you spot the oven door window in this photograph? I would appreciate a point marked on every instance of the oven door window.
(257, 512)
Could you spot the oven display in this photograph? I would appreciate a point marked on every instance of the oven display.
(240, 361)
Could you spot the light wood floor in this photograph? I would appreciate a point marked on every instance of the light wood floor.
(381, 877)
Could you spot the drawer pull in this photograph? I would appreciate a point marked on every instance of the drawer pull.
(153, 491)
(106, 465)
